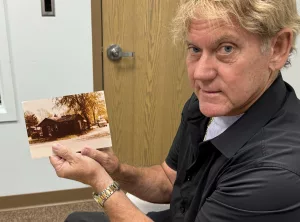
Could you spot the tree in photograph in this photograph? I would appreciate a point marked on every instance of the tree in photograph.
(43, 113)
(100, 110)
(89, 105)
(68, 112)
(30, 119)
(97, 104)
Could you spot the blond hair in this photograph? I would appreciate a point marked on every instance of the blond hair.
(263, 17)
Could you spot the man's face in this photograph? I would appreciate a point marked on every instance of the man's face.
(226, 67)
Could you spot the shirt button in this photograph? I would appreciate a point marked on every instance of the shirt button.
(182, 210)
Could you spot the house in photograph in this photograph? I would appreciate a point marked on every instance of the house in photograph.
(62, 126)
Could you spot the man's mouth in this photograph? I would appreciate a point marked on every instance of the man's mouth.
(210, 91)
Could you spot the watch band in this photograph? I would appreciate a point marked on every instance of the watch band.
(100, 198)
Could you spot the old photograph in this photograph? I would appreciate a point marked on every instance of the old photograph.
(75, 121)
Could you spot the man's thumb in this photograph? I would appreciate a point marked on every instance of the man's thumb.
(62, 152)
(92, 153)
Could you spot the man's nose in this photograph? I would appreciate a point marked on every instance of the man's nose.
(206, 68)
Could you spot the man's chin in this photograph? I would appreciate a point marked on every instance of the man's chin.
(213, 110)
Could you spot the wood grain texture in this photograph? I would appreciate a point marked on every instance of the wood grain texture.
(145, 94)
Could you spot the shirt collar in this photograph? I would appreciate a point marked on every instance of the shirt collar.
(257, 116)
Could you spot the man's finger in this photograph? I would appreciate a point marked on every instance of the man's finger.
(54, 160)
(57, 163)
(62, 152)
(92, 153)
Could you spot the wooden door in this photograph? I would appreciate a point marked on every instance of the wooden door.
(145, 94)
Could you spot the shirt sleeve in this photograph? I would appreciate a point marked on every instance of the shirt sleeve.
(172, 158)
(255, 195)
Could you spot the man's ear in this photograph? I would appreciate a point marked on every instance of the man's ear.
(281, 45)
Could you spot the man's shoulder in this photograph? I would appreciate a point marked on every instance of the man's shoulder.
(281, 136)
(253, 188)
(278, 142)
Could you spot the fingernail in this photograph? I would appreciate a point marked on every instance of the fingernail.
(84, 151)
(56, 146)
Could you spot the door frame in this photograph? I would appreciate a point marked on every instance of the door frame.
(97, 40)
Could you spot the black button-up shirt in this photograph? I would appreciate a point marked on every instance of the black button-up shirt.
(248, 173)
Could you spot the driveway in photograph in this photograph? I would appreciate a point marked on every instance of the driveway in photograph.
(97, 138)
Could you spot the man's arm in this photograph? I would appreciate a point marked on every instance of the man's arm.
(147, 183)
(153, 184)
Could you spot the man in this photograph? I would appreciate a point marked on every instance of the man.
(236, 153)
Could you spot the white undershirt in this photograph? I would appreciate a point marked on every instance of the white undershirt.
(219, 125)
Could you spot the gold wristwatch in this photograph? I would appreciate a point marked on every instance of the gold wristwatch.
(100, 198)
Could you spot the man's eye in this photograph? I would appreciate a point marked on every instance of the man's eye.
(227, 49)
(193, 49)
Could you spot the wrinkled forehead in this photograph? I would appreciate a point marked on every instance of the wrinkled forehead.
(213, 29)
(212, 12)
(213, 20)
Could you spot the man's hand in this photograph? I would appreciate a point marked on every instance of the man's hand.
(105, 157)
(76, 166)
(81, 168)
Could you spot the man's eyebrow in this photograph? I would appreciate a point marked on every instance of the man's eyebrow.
(188, 42)
(226, 37)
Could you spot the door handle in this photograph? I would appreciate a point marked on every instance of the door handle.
(115, 52)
